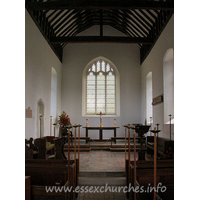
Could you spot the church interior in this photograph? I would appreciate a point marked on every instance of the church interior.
(99, 98)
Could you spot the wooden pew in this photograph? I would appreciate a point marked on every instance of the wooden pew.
(50, 173)
(27, 188)
(163, 145)
(31, 151)
(145, 178)
(60, 155)
(59, 148)
(45, 146)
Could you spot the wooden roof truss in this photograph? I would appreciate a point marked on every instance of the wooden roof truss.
(140, 21)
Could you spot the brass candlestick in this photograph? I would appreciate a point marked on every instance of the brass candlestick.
(115, 125)
(87, 123)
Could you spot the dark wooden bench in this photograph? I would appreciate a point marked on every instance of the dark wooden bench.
(31, 151)
(45, 146)
(50, 173)
(163, 145)
(27, 188)
(145, 178)
(60, 155)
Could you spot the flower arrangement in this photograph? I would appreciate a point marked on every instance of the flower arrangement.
(169, 154)
(64, 119)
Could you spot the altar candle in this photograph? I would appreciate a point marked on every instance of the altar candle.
(87, 123)
(115, 125)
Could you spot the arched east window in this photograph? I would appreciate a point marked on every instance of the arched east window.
(101, 88)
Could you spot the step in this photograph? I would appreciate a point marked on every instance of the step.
(101, 174)
(102, 178)
(100, 147)
(123, 149)
(102, 181)
(81, 149)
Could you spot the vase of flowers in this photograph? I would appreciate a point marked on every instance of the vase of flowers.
(169, 154)
(64, 122)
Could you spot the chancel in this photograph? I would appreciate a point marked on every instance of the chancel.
(99, 98)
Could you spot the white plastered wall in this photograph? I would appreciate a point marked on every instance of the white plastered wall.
(39, 60)
(154, 63)
(127, 60)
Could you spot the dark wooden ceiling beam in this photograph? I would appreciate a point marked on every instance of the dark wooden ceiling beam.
(104, 39)
(101, 23)
(51, 14)
(121, 22)
(155, 33)
(146, 22)
(135, 17)
(64, 21)
(77, 28)
(151, 14)
(55, 16)
(122, 26)
(78, 20)
(46, 30)
(129, 24)
(103, 4)
(81, 28)
(119, 29)
(135, 23)
(147, 17)
(72, 34)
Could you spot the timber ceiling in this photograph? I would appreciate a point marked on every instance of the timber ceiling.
(141, 21)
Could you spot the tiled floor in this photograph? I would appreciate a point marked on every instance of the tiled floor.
(101, 167)
(102, 196)
(103, 161)
(97, 171)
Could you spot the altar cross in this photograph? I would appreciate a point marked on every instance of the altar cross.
(101, 118)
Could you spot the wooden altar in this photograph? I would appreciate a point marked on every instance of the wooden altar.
(101, 131)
